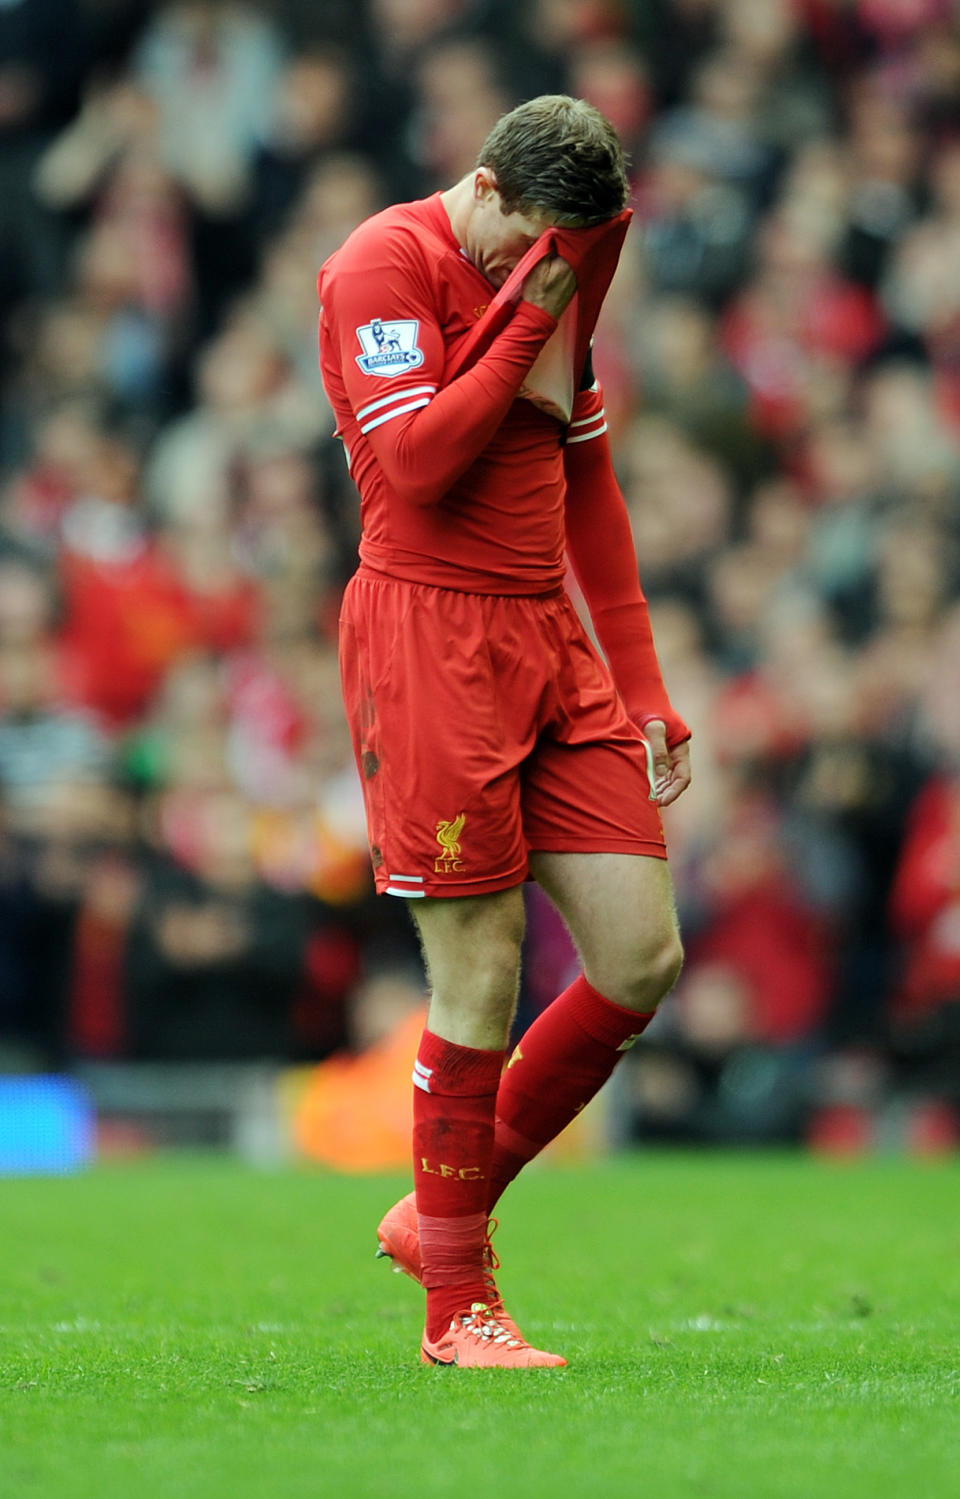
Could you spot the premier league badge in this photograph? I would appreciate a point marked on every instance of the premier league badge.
(389, 348)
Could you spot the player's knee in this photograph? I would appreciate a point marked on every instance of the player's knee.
(645, 973)
(664, 968)
(497, 958)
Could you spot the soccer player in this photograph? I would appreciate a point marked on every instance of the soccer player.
(494, 742)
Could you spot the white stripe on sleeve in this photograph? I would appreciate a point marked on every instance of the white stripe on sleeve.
(396, 395)
(586, 420)
(586, 436)
(388, 416)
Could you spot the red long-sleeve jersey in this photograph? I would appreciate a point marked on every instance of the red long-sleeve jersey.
(463, 484)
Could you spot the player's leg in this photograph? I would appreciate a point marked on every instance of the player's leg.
(471, 946)
(443, 720)
(621, 913)
(597, 847)
(471, 949)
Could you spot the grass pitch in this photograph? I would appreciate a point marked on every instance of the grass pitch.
(736, 1326)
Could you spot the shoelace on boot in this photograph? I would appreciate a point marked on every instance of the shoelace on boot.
(491, 1264)
(482, 1323)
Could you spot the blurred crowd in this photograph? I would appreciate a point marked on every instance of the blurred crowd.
(183, 866)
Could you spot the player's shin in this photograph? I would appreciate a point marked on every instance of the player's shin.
(454, 1102)
(560, 1063)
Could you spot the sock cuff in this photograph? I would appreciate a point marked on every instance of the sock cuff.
(609, 1023)
(452, 1250)
(443, 1067)
(510, 1140)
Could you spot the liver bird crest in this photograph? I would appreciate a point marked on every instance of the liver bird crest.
(448, 835)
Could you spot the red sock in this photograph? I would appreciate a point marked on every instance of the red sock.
(561, 1062)
(453, 1110)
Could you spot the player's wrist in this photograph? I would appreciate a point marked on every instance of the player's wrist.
(677, 731)
(537, 315)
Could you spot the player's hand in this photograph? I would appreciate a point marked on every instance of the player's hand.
(550, 285)
(671, 767)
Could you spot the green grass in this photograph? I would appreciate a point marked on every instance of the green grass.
(736, 1326)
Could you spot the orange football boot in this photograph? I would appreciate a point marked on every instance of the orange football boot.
(398, 1238)
(478, 1339)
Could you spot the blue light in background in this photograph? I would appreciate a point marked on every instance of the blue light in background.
(46, 1126)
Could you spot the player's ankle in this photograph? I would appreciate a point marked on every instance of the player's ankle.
(447, 1302)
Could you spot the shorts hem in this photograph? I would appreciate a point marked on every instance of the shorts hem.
(434, 889)
(648, 847)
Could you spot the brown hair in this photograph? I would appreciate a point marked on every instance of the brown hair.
(558, 156)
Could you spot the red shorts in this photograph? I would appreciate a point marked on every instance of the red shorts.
(485, 726)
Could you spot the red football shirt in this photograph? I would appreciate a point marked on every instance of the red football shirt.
(480, 506)
(463, 484)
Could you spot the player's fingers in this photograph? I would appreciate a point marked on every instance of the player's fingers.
(680, 775)
(671, 792)
(655, 733)
(550, 285)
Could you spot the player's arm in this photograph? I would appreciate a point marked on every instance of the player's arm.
(423, 435)
(603, 556)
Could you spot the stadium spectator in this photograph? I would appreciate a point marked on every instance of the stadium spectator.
(43, 54)
(214, 953)
(925, 895)
(213, 69)
(314, 112)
